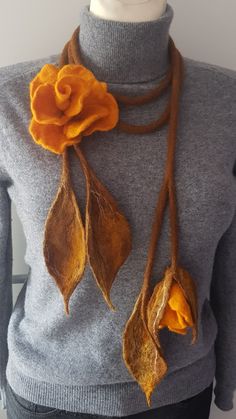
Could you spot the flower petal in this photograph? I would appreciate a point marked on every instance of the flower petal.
(79, 125)
(177, 314)
(50, 137)
(47, 74)
(76, 71)
(108, 116)
(70, 94)
(169, 318)
(98, 114)
(177, 302)
(179, 331)
(44, 107)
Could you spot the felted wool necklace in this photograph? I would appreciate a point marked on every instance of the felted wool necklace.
(67, 104)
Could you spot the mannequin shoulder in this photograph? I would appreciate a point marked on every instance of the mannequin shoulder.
(15, 78)
(212, 84)
(209, 99)
(24, 69)
(15, 111)
(208, 69)
(14, 88)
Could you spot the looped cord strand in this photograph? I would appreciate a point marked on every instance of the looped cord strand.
(174, 76)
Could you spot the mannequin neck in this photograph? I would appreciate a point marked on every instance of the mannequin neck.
(125, 52)
(128, 10)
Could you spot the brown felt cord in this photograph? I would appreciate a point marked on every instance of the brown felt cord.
(104, 240)
(70, 55)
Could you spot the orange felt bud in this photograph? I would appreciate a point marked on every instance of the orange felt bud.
(177, 315)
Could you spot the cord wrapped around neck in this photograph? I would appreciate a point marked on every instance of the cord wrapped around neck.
(106, 241)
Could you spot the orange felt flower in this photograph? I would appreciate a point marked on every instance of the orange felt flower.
(68, 103)
(177, 315)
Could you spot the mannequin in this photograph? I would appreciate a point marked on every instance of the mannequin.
(128, 10)
(52, 365)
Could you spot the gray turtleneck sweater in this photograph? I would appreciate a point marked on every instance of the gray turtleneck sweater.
(75, 362)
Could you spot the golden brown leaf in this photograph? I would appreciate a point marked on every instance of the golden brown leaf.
(188, 286)
(108, 234)
(141, 353)
(64, 244)
(158, 301)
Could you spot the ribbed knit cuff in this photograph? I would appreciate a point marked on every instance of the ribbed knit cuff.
(3, 397)
(223, 398)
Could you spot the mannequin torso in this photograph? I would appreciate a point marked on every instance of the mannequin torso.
(58, 361)
(128, 10)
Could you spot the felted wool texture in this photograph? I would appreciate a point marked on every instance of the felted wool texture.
(75, 363)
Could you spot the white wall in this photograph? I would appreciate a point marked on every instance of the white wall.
(202, 30)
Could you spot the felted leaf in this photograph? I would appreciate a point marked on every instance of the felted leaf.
(158, 301)
(64, 239)
(141, 353)
(108, 234)
(189, 288)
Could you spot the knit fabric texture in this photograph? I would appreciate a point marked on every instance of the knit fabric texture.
(75, 362)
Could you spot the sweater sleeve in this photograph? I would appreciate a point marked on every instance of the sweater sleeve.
(223, 302)
(5, 278)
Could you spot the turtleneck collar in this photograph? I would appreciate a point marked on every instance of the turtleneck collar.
(124, 52)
